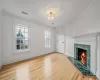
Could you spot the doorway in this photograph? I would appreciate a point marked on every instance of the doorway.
(60, 43)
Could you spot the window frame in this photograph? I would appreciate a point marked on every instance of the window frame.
(47, 36)
(14, 39)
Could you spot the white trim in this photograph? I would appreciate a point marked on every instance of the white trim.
(47, 36)
(14, 38)
(0, 67)
(22, 51)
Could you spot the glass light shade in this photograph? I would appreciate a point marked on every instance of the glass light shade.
(50, 17)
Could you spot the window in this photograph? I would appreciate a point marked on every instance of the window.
(47, 38)
(22, 38)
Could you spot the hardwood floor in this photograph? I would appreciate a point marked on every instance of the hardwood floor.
(48, 67)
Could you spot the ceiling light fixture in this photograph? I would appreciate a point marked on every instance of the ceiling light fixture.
(51, 13)
(51, 16)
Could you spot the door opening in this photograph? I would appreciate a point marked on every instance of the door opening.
(60, 43)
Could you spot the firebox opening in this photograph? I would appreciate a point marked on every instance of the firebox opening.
(82, 55)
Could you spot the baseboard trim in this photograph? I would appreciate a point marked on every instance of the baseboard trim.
(98, 74)
(35, 57)
(0, 67)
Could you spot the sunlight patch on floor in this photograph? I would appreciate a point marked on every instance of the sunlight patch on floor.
(22, 73)
(47, 67)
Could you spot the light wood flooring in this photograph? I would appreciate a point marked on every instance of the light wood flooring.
(53, 66)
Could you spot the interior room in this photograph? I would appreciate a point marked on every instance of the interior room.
(49, 39)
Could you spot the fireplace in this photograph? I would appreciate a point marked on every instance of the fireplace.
(82, 54)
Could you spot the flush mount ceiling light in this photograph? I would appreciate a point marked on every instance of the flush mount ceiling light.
(51, 16)
(51, 13)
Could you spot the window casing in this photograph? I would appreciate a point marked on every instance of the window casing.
(21, 38)
(47, 38)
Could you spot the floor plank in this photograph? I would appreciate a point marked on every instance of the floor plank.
(53, 66)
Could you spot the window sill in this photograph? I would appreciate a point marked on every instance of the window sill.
(47, 47)
(22, 51)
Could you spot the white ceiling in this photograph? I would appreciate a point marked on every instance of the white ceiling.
(87, 22)
(67, 10)
(79, 17)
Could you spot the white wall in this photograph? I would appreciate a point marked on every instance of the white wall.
(69, 51)
(89, 40)
(37, 46)
(98, 55)
(0, 39)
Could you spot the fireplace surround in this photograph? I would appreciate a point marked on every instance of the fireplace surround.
(82, 54)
